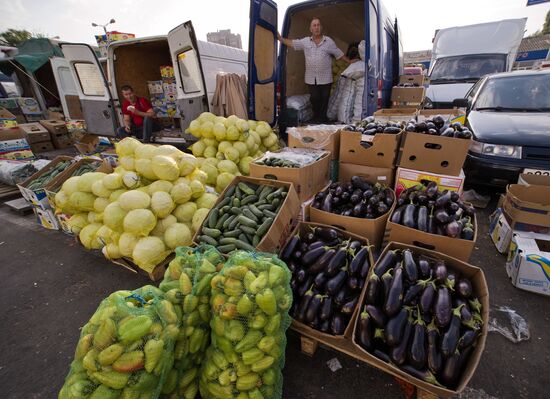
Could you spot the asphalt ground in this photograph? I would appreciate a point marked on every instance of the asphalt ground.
(50, 286)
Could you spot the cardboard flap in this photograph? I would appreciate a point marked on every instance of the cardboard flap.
(529, 198)
(407, 94)
(317, 139)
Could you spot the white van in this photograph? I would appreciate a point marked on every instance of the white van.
(462, 55)
(135, 61)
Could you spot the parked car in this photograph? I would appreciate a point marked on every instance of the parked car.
(509, 115)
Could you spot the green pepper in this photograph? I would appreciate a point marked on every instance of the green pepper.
(220, 392)
(210, 371)
(267, 343)
(207, 267)
(135, 328)
(144, 381)
(249, 341)
(219, 359)
(224, 344)
(273, 325)
(255, 394)
(81, 389)
(218, 325)
(104, 392)
(112, 379)
(233, 287)
(248, 279)
(267, 302)
(195, 341)
(237, 272)
(247, 382)
(252, 356)
(190, 303)
(269, 377)
(276, 276)
(242, 369)
(259, 283)
(192, 319)
(245, 305)
(170, 382)
(267, 391)
(258, 321)
(235, 331)
(227, 377)
(263, 364)
(188, 377)
(204, 312)
(204, 285)
(191, 391)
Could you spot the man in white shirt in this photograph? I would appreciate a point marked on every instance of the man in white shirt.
(318, 51)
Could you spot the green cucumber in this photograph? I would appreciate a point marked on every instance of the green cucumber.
(243, 245)
(233, 233)
(225, 249)
(246, 221)
(248, 230)
(245, 189)
(227, 240)
(208, 240)
(249, 199)
(214, 233)
(255, 211)
(264, 227)
(248, 213)
(221, 221)
(213, 218)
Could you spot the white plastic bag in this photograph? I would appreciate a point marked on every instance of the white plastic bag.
(14, 172)
(358, 101)
(361, 49)
(355, 70)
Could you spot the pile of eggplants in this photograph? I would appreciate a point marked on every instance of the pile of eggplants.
(371, 127)
(420, 316)
(356, 198)
(427, 209)
(328, 273)
(438, 126)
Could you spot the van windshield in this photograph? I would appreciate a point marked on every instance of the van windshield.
(466, 68)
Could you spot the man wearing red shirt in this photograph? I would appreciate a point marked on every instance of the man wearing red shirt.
(138, 116)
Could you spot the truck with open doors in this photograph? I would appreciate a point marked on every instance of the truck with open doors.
(275, 75)
(136, 61)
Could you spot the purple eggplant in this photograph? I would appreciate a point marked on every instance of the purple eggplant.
(294, 284)
(327, 203)
(453, 229)
(377, 315)
(467, 339)
(363, 334)
(450, 338)
(316, 244)
(337, 324)
(427, 298)
(423, 218)
(431, 224)
(336, 262)
(465, 312)
(312, 255)
(326, 233)
(395, 327)
(398, 353)
(387, 262)
(365, 267)
(417, 349)
(349, 307)
(340, 297)
(408, 216)
(300, 314)
(451, 370)
(335, 283)
(386, 280)
(313, 308)
(322, 262)
(431, 189)
(319, 281)
(353, 283)
(443, 199)
(304, 287)
(467, 233)
(464, 288)
(297, 256)
(397, 215)
(441, 216)
(413, 291)
(424, 375)
(301, 275)
(442, 307)
(435, 360)
(358, 260)
(409, 267)
(325, 326)
(290, 246)
(440, 272)
(381, 355)
(326, 309)
(424, 267)
(292, 266)
(394, 299)
(373, 290)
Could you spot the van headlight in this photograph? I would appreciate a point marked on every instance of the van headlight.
(496, 150)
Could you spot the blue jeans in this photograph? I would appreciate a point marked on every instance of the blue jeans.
(143, 133)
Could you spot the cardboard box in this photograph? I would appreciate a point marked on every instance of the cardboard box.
(63, 221)
(167, 71)
(277, 234)
(371, 174)
(14, 145)
(29, 106)
(481, 291)
(407, 96)
(32, 118)
(406, 178)
(169, 88)
(7, 119)
(413, 79)
(395, 114)
(371, 229)
(58, 116)
(444, 155)
(307, 180)
(46, 218)
(10, 104)
(455, 247)
(528, 265)
(379, 150)
(535, 180)
(306, 137)
(447, 114)
(37, 197)
(500, 231)
(154, 86)
(527, 208)
(62, 141)
(43, 146)
(304, 227)
(36, 133)
(55, 127)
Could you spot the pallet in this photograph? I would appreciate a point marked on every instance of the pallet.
(7, 191)
(309, 345)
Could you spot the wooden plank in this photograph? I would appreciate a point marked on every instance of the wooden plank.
(308, 345)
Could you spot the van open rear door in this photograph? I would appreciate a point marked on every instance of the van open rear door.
(92, 88)
(262, 61)
(192, 99)
(68, 95)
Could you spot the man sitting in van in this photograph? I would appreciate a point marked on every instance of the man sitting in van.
(138, 116)
(318, 51)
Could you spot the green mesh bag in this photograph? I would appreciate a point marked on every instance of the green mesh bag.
(187, 282)
(126, 348)
(250, 300)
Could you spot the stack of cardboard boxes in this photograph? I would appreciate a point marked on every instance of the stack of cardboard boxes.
(163, 95)
(25, 109)
(409, 93)
(13, 142)
(60, 136)
(38, 137)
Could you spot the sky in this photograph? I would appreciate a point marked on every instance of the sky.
(71, 19)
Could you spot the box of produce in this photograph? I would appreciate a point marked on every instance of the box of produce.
(371, 143)
(34, 188)
(35, 132)
(307, 169)
(415, 80)
(329, 267)
(251, 214)
(14, 145)
(407, 96)
(435, 145)
(447, 114)
(408, 178)
(423, 318)
(55, 127)
(433, 219)
(355, 206)
(370, 173)
(395, 114)
(319, 137)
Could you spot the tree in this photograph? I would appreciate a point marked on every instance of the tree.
(546, 26)
(15, 37)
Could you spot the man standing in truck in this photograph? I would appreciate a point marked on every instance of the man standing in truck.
(138, 116)
(318, 51)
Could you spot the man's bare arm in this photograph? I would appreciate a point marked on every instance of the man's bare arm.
(285, 41)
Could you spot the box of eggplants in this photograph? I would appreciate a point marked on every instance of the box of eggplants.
(423, 318)
(356, 205)
(433, 219)
(435, 145)
(329, 267)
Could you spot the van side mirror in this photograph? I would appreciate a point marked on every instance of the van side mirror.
(461, 103)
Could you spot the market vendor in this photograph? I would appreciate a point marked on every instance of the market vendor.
(138, 116)
(318, 50)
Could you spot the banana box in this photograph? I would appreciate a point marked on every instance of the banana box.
(46, 218)
(500, 231)
(528, 263)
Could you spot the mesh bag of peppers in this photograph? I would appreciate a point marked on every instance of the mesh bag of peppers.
(251, 297)
(187, 285)
(126, 348)
(421, 316)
